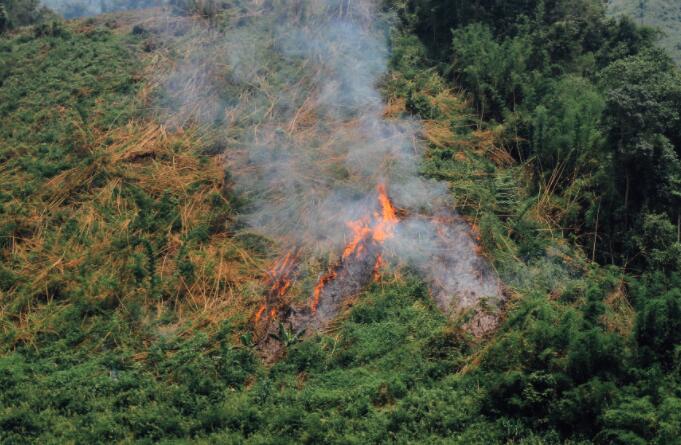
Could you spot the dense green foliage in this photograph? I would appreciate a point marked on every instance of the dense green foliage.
(589, 100)
(100, 265)
(15, 13)
(591, 106)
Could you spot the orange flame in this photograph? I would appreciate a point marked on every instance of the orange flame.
(318, 289)
(375, 229)
(377, 268)
(258, 314)
(279, 281)
(361, 231)
(279, 276)
(386, 206)
(387, 220)
(379, 228)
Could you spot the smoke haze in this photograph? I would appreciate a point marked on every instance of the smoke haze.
(70, 9)
(301, 119)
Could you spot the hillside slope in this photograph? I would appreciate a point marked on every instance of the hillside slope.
(662, 14)
(147, 202)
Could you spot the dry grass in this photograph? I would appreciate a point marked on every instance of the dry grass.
(161, 159)
(159, 162)
(620, 316)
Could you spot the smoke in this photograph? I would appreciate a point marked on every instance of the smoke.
(70, 9)
(292, 91)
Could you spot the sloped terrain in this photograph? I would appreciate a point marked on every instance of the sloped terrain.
(662, 14)
(160, 170)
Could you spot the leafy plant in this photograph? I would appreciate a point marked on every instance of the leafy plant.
(286, 336)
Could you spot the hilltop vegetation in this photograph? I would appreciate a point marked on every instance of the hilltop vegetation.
(127, 283)
(14, 13)
(662, 14)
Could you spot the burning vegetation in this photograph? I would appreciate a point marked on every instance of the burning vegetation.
(307, 142)
(358, 264)
(361, 258)
(287, 104)
(457, 284)
(138, 286)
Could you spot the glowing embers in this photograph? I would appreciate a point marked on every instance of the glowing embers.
(280, 277)
(279, 280)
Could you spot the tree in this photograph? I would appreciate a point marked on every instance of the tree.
(658, 328)
(15, 13)
(565, 128)
(4, 19)
(643, 103)
(494, 72)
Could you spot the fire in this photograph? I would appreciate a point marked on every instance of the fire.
(377, 268)
(367, 233)
(318, 289)
(279, 276)
(361, 231)
(258, 314)
(389, 215)
(378, 229)
(279, 281)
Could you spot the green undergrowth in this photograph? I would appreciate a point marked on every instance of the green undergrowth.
(394, 371)
(54, 89)
(329, 387)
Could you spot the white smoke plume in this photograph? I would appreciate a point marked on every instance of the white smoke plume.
(292, 89)
(70, 9)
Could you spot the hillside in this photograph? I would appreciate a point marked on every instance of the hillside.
(339, 222)
(662, 14)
